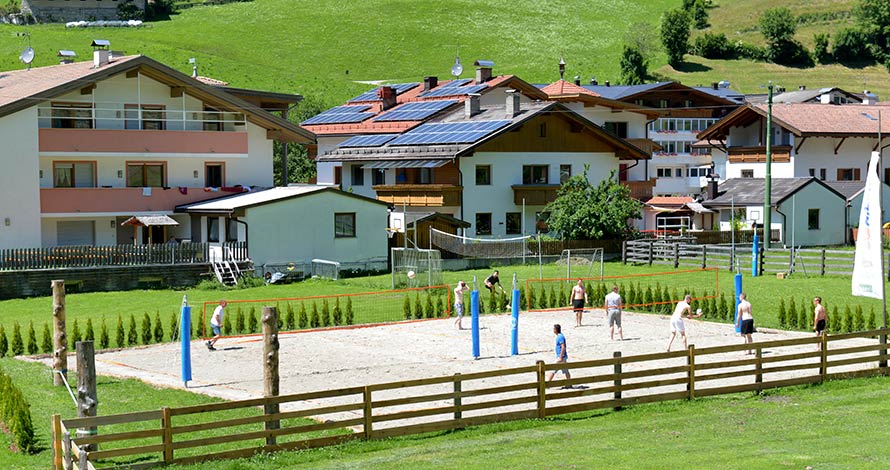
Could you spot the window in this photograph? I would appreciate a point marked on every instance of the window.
(542, 130)
(812, 172)
(813, 219)
(74, 174)
(378, 176)
(664, 172)
(338, 175)
(747, 173)
(848, 174)
(483, 175)
(214, 175)
(822, 174)
(663, 103)
(687, 103)
(213, 229)
(144, 175)
(565, 172)
(344, 225)
(72, 115)
(535, 174)
(514, 223)
(212, 119)
(699, 172)
(483, 223)
(426, 176)
(617, 128)
(358, 175)
(153, 117)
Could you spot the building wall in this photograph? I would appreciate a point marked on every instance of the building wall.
(63, 10)
(20, 204)
(816, 153)
(831, 210)
(302, 228)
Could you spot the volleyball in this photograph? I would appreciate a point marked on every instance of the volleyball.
(411, 274)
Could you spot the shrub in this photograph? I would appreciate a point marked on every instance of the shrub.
(820, 48)
(675, 35)
(127, 10)
(848, 320)
(159, 328)
(851, 45)
(667, 307)
(803, 319)
(253, 325)
(89, 334)
(32, 339)
(633, 65)
(146, 328)
(532, 303)
(290, 320)
(522, 298)
(743, 50)
(836, 321)
(871, 323)
(350, 315)
(337, 313)
(120, 337)
(699, 14)
(239, 320)
(553, 299)
(723, 307)
(858, 319)
(174, 326)
(17, 346)
(75, 335)
(430, 309)
(314, 321)
(4, 343)
(782, 315)
(132, 335)
(713, 46)
(792, 314)
(712, 308)
(104, 340)
(303, 321)
(15, 412)
(630, 294)
(47, 344)
(418, 307)
(647, 299)
(325, 313)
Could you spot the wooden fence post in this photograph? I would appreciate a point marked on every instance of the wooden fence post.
(758, 377)
(87, 398)
(368, 413)
(882, 362)
(823, 359)
(791, 260)
(676, 255)
(624, 252)
(457, 397)
(542, 390)
(270, 369)
(704, 256)
(167, 437)
(690, 359)
(651, 255)
(66, 450)
(761, 262)
(60, 337)
(57, 442)
(822, 267)
(617, 356)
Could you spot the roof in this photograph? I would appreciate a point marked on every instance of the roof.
(802, 96)
(564, 91)
(226, 205)
(625, 92)
(562, 87)
(849, 189)
(750, 191)
(149, 221)
(211, 81)
(805, 119)
(669, 200)
(416, 217)
(394, 150)
(21, 89)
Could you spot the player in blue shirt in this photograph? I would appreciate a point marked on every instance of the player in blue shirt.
(562, 354)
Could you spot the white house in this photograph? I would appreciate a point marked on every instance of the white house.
(299, 223)
(89, 144)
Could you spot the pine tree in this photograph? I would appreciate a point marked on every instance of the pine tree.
(90, 334)
(803, 318)
(239, 320)
(314, 320)
(290, 318)
(631, 295)
(532, 298)
(858, 319)
(792, 314)
(159, 328)
(32, 339)
(656, 298)
(848, 320)
(871, 324)
(418, 307)
(712, 307)
(553, 300)
(666, 305)
(429, 308)
(104, 340)
(492, 302)
(722, 307)
(543, 302)
(336, 313)
(647, 299)
(120, 337)
(18, 347)
(75, 335)
(174, 326)
(253, 325)
(350, 315)
(132, 335)
(303, 320)
(836, 321)
(146, 328)
(4, 343)
(47, 343)
(522, 299)
(563, 297)
(783, 315)
(227, 327)
(325, 313)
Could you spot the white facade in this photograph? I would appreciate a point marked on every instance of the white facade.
(679, 168)
(20, 207)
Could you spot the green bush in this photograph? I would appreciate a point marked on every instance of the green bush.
(159, 328)
(337, 313)
(523, 300)
(120, 336)
(17, 347)
(47, 344)
(174, 326)
(749, 51)
(350, 314)
(851, 46)
(15, 412)
(303, 320)
(647, 299)
(792, 314)
(104, 340)
(253, 325)
(127, 10)
(713, 46)
(132, 335)
(239, 320)
(699, 14)
(314, 320)
(4, 343)
(820, 48)
(848, 320)
(32, 339)
(858, 319)
(146, 328)
(552, 299)
(836, 321)
(722, 307)
(418, 307)
(804, 318)
(89, 334)
(429, 308)
(75, 335)
(325, 313)
(871, 323)
(532, 298)
(290, 320)
(782, 315)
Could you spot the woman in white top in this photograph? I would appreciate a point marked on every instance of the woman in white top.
(677, 325)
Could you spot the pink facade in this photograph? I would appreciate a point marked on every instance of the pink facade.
(119, 200)
(142, 141)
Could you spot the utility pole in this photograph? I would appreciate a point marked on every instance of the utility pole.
(767, 198)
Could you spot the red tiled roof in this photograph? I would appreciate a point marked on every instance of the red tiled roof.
(807, 118)
(562, 88)
(211, 81)
(669, 200)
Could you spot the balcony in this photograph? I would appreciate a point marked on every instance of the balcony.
(781, 154)
(420, 195)
(641, 190)
(534, 194)
(123, 201)
(142, 141)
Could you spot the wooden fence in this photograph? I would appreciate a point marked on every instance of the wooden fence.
(113, 255)
(810, 262)
(710, 237)
(204, 432)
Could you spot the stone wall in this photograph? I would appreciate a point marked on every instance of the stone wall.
(75, 10)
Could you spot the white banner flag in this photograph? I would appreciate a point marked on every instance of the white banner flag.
(868, 280)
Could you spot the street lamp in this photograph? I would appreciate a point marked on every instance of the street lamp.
(562, 68)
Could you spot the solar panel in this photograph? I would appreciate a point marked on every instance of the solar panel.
(415, 111)
(375, 140)
(372, 94)
(341, 115)
(449, 133)
(454, 91)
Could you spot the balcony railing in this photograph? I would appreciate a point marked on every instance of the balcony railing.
(641, 190)
(420, 195)
(125, 201)
(781, 154)
(121, 116)
(534, 194)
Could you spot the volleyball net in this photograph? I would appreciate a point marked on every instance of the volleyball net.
(484, 248)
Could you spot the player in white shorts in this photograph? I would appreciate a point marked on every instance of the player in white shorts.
(677, 325)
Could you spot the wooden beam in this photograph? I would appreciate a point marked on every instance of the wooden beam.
(87, 90)
(273, 134)
(799, 145)
(839, 145)
(132, 73)
(270, 368)
(176, 91)
(60, 338)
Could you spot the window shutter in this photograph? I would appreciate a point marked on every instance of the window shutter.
(856, 174)
(840, 174)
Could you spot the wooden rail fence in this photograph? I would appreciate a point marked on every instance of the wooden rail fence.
(113, 255)
(204, 432)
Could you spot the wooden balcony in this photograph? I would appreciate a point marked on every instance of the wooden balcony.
(534, 194)
(647, 145)
(641, 190)
(781, 154)
(141, 141)
(420, 195)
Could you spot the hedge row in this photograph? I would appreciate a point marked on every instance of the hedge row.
(15, 412)
(800, 317)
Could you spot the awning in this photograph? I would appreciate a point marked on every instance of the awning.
(406, 164)
(698, 208)
(663, 209)
(149, 221)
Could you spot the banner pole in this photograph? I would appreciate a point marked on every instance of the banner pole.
(514, 326)
(474, 312)
(185, 333)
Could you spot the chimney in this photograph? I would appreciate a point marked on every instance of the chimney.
(802, 87)
(870, 98)
(483, 70)
(471, 105)
(607, 83)
(387, 94)
(594, 82)
(66, 57)
(712, 188)
(512, 102)
(430, 82)
(578, 80)
(715, 85)
(101, 54)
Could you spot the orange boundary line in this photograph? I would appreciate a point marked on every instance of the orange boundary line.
(258, 336)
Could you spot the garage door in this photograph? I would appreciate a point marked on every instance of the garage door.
(75, 232)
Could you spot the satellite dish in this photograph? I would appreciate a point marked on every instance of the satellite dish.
(27, 55)
(457, 69)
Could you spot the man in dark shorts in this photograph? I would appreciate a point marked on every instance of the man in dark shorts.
(745, 320)
(820, 318)
(493, 280)
(579, 297)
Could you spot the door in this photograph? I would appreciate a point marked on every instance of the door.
(75, 232)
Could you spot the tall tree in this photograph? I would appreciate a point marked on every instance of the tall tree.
(675, 35)
(778, 26)
(584, 211)
(873, 18)
(633, 66)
